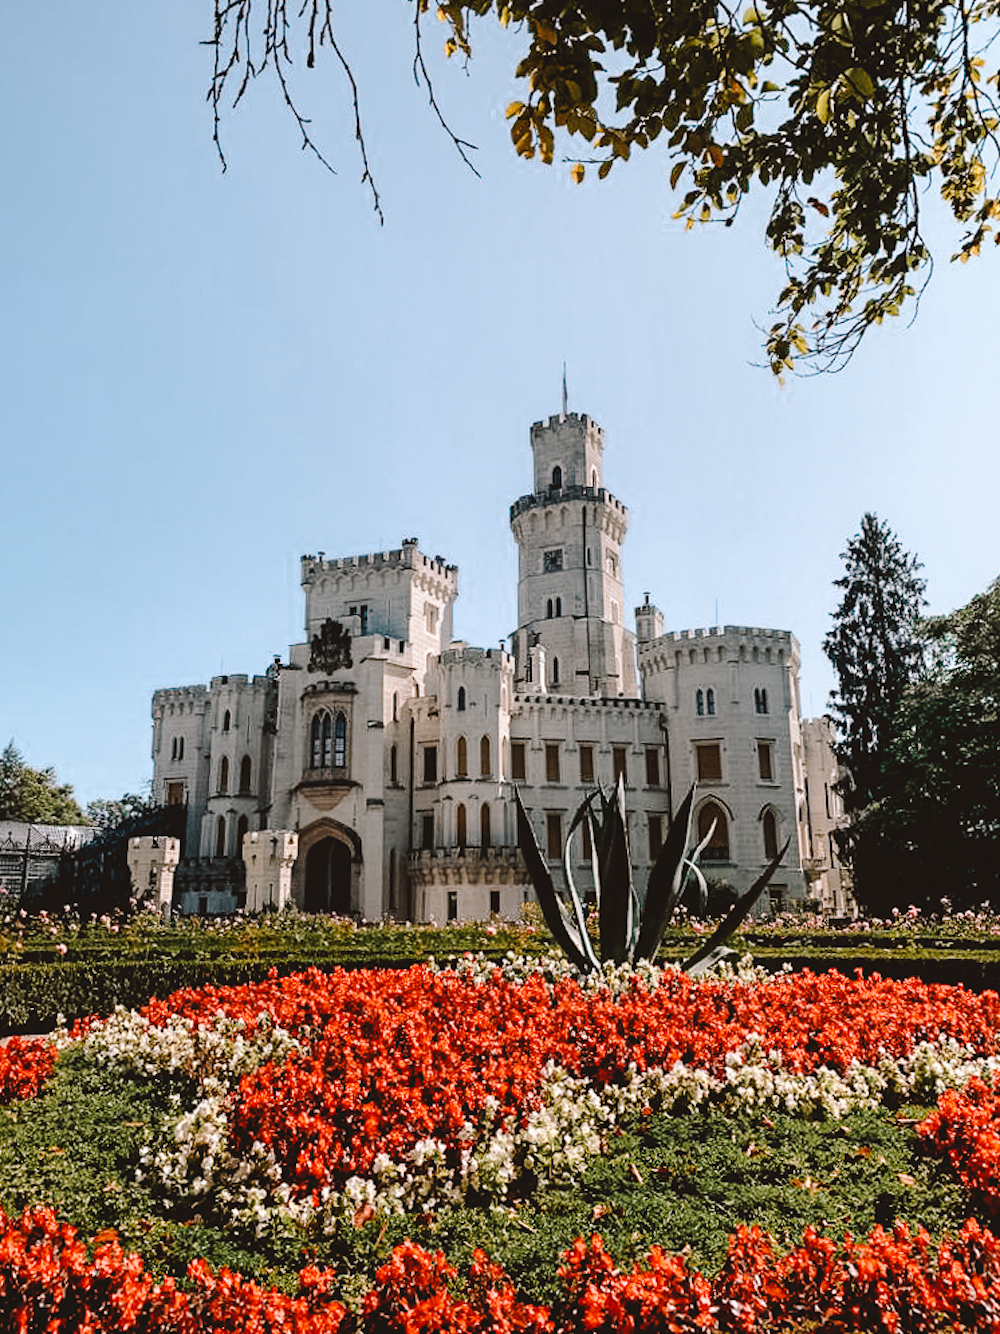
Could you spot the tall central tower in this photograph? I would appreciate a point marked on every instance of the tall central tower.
(571, 637)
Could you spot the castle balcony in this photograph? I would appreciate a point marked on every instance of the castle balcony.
(467, 866)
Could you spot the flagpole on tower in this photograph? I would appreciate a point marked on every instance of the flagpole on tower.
(565, 393)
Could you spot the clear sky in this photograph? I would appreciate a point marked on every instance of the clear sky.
(205, 375)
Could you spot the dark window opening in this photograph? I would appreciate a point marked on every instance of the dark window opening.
(619, 757)
(452, 905)
(427, 833)
(430, 764)
(553, 835)
(586, 764)
(718, 847)
(518, 765)
(652, 767)
(551, 763)
(709, 763)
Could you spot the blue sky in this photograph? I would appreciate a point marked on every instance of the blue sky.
(205, 375)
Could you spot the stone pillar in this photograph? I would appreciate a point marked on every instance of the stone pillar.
(152, 861)
(269, 855)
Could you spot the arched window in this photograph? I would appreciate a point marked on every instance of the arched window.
(769, 825)
(558, 606)
(718, 848)
(395, 707)
(461, 758)
(173, 749)
(461, 699)
(226, 721)
(710, 700)
(242, 827)
(340, 742)
(246, 773)
(485, 767)
(180, 748)
(484, 826)
(224, 774)
(461, 830)
(548, 610)
(320, 740)
(393, 765)
(555, 671)
(593, 478)
(760, 701)
(556, 478)
(699, 703)
(220, 836)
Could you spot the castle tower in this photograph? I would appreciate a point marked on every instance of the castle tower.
(571, 600)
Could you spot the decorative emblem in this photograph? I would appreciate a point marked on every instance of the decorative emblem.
(331, 648)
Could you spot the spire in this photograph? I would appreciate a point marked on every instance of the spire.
(565, 393)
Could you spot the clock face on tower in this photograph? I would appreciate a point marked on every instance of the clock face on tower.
(552, 561)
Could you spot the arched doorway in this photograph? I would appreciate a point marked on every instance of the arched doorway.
(328, 877)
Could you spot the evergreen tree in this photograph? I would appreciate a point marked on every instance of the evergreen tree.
(34, 796)
(875, 650)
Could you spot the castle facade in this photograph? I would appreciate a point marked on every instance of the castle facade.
(393, 750)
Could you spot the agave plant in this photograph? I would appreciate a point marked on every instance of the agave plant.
(628, 931)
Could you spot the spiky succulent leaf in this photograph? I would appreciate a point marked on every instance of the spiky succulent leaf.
(666, 882)
(576, 899)
(618, 898)
(565, 934)
(721, 954)
(693, 870)
(737, 912)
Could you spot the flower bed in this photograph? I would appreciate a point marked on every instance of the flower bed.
(302, 1105)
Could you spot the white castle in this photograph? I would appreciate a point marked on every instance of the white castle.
(392, 751)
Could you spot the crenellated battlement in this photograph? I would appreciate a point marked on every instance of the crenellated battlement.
(573, 419)
(464, 656)
(539, 499)
(727, 631)
(405, 557)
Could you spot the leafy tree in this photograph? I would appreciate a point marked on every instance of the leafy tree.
(107, 816)
(934, 831)
(843, 110)
(34, 796)
(874, 649)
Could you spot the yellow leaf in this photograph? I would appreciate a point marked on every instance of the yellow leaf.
(546, 32)
(860, 82)
(577, 172)
(675, 175)
(716, 154)
(823, 108)
(514, 109)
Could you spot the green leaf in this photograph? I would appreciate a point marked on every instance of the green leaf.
(738, 912)
(823, 108)
(665, 882)
(860, 82)
(563, 931)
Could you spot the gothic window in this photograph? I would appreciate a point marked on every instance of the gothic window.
(180, 748)
(485, 835)
(173, 749)
(552, 561)
(393, 766)
(557, 478)
(593, 478)
(320, 741)
(548, 610)
(227, 720)
(710, 701)
(558, 606)
(242, 827)
(224, 774)
(246, 772)
(462, 833)
(769, 825)
(340, 742)
(699, 703)
(220, 836)
(461, 699)
(461, 758)
(485, 759)
(555, 671)
(395, 706)
(718, 847)
(760, 701)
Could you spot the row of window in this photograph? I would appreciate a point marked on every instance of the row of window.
(708, 761)
(712, 824)
(177, 748)
(242, 827)
(246, 776)
(553, 763)
(704, 702)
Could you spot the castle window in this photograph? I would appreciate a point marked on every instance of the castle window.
(393, 766)
(461, 758)
(552, 561)
(619, 759)
(760, 701)
(718, 847)
(548, 610)
(175, 794)
(430, 617)
(430, 764)
(652, 766)
(395, 706)
(699, 703)
(551, 762)
(320, 740)
(461, 699)
(485, 758)
(340, 742)
(586, 764)
(242, 828)
(223, 774)
(220, 836)
(518, 765)
(363, 613)
(173, 749)
(710, 701)
(558, 606)
(557, 478)
(246, 771)
(765, 761)
(555, 671)
(427, 832)
(709, 758)
(494, 901)
(461, 827)
(485, 834)
(769, 826)
(593, 478)
(180, 748)
(452, 905)
(553, 835)
(226, 721)
(654, 828)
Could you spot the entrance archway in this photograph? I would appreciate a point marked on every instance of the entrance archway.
(328, 877)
